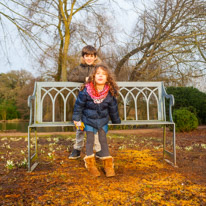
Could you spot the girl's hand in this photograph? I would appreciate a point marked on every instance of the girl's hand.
(77, 123)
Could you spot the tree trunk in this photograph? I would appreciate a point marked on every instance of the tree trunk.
(64, 58)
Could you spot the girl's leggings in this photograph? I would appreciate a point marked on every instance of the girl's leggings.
(103, 142)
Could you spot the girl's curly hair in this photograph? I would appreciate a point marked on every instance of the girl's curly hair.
(113, 88)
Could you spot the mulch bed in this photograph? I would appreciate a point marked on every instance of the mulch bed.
(142, 177)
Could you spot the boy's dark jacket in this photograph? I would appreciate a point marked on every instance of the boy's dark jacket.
(79, 73)
(95, 115)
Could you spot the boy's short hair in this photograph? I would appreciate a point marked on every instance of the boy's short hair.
(89, 50)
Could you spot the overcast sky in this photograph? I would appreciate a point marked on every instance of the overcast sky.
(14, 56)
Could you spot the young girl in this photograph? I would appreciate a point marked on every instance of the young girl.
(97, 102)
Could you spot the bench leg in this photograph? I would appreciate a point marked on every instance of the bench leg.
(29, 149)
(171, 154)
(164, 140)
(35, 155)
(174, 144)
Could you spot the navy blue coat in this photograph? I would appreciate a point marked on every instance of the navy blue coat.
(95, 115)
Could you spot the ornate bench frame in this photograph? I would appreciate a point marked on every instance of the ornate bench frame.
(129, 93)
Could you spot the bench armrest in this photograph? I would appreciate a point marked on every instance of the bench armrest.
(171, 102)
(30, 98)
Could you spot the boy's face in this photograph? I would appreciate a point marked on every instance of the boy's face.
(89, 58)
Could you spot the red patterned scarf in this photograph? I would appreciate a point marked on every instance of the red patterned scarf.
(98, 97)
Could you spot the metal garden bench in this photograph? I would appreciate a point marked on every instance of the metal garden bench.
(140, 103)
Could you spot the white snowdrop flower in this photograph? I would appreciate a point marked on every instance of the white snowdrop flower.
(203, 146)
(9, 164)
(50, 155)
(188, 148)
(56, 139)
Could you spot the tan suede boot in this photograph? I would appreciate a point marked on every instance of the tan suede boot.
(90, 164)
(108, 166)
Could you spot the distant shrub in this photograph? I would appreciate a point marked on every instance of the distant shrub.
(8, 111)
(185, 120)
(190, 98)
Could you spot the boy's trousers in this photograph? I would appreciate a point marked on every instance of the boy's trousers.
(79, 144)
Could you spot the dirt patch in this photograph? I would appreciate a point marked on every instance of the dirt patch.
(142, 177)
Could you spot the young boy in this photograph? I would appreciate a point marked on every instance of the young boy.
(88, 60)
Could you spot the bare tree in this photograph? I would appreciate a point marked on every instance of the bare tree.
(15, 86)
(12, 17)
(96, 29)
(50, 25)
(168, 43)
(93, 28)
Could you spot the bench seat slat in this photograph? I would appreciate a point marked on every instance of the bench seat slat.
(127, 122)
(52, 124)
(143, 122)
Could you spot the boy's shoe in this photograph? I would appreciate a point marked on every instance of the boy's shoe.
(75, 154)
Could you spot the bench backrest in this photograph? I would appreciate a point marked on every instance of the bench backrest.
(135, 98)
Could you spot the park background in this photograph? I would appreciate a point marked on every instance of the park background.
(139, 40)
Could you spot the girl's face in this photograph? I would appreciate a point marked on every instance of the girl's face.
(89, 58)
(100, 77)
